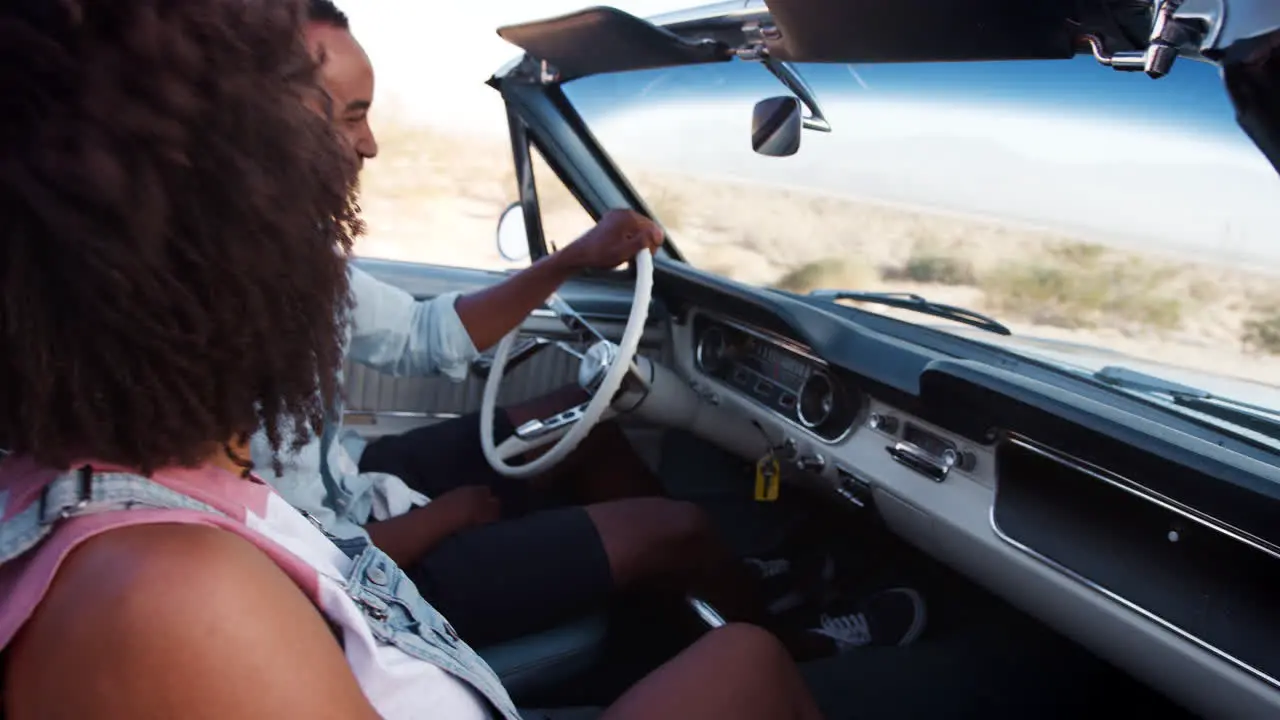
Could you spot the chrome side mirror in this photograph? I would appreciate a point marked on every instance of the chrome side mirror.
(776, 124)
(513, 239)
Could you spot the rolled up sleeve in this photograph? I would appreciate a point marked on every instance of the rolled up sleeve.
(396, 334)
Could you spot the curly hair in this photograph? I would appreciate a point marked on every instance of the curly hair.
(175, 229)
(324, 11)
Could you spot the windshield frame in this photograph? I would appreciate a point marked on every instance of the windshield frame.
(579, 160)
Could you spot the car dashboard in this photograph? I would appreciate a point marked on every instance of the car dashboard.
(1146, 542)
(778, 374)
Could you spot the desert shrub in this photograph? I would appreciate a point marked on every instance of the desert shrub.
(1261, 333)
(937, 269)
(1077, 289)
(1204, 290)
(1081, 254)
(829, 274)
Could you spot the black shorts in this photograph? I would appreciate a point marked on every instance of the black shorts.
(539, 566)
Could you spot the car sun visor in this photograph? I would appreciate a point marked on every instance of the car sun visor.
(604, 40)
(869, 31)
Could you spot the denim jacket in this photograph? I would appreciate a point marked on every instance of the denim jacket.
(395, 612)
(392, 332)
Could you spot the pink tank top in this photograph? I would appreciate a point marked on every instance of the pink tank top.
(397, 684)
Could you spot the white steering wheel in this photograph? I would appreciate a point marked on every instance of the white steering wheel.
(568, 428)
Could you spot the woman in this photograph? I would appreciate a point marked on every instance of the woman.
(164, 292)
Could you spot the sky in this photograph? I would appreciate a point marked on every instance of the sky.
(1115, 157)
(1068, 145)
(433, 56)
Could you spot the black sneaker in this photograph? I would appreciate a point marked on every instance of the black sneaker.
(890, 617)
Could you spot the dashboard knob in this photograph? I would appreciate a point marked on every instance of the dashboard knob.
(811, 463)
(883, 423)
(959, 459)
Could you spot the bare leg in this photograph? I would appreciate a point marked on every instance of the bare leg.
(671, 543)
(738, 671)
(656, 540)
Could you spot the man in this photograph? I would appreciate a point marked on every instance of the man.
(499, 557)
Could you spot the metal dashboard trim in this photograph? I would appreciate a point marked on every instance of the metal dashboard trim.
(786, 344)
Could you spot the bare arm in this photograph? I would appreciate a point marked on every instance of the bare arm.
(166, 621)
(408, 537)
(490, 314)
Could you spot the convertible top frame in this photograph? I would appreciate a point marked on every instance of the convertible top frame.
(1242, 36)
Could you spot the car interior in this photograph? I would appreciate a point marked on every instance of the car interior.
(1082, 549)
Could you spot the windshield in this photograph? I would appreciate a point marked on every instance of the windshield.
(1107, 219)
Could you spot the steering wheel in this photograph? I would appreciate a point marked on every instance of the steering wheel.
(601, 373)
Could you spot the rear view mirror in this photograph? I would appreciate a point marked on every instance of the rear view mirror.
(776, 124)
(513, 239)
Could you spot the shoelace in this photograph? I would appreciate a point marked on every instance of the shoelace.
(770, 568)
(852, 629)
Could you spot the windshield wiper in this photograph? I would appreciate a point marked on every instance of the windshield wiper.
(911, 301)
(1256, 418)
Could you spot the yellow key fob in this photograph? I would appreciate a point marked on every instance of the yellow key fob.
(768, 478)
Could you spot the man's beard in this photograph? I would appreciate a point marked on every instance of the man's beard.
(353, 189)
(353, 204)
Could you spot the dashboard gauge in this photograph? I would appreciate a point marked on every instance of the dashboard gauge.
(817, 400)
(712, 350)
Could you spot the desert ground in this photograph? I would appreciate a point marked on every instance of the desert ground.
(435, 197)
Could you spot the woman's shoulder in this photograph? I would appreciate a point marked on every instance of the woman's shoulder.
(164, 620)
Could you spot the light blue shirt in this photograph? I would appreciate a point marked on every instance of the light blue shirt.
(391, 332)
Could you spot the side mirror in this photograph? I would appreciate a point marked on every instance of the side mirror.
(776, 124)
(513, 239)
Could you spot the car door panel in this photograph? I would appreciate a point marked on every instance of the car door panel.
(378, 403)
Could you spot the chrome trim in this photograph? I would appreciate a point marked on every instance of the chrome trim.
(1085, 467)
(791, 78)
(829, 400)
(595, 364)
(914, 458)
(404, 414)
(852, 485)
(547, 314)
(700, 341)
(788, 345)
(790, 421)
(537, 428)
(1082, 580)
(1210, 12)
(767, 335)
(1164, 43)
(1142, 492)
(706, 613)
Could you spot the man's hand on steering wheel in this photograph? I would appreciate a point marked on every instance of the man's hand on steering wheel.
(620, 235)
(616, 239)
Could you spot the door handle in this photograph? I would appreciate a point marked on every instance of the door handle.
(916, 459)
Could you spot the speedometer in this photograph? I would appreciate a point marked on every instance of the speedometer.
(817, 400)
(712, 350)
